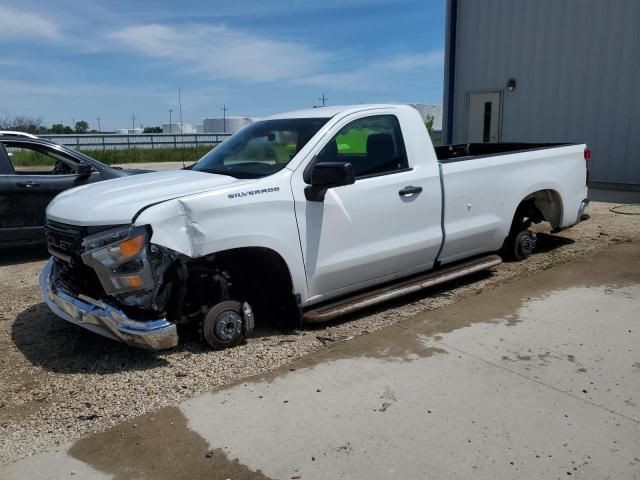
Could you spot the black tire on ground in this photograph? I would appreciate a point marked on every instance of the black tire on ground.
(223, 326)
(519, 246)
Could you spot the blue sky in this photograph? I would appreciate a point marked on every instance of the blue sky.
(65, 60)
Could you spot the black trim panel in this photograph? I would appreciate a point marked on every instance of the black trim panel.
(471, 151)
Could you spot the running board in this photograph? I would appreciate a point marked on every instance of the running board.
(404, 287)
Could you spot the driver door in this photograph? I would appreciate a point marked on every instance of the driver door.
(40, 175)
(384, 226)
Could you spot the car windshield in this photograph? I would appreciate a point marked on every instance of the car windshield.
(260, 149)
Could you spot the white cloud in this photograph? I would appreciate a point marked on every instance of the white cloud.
(15, 23)
(93, 90)
(377, 75)
(362, 79)
(221, 52)
(413, 61)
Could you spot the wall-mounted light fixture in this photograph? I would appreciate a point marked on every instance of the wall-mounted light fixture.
(511, 84)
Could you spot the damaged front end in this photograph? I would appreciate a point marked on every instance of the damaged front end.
(110, 282)
(129, 268)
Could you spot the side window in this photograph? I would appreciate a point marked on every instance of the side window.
(31, 160)
(373, 145)
(5, 164)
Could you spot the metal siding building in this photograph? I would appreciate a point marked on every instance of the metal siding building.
(576, 66)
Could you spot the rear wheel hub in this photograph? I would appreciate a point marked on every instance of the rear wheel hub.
(526, 244)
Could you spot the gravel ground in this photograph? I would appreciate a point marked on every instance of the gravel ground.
(60, 382)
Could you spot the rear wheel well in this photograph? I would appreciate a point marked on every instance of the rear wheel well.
(543, 205)
(256, 275)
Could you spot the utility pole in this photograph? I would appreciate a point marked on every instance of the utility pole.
(133, 122)
(180, 103)
(170, 124)
(181, 124)
(99, 127)
(323, 99)
(224, 118)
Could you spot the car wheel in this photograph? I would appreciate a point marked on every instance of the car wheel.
(521, 245)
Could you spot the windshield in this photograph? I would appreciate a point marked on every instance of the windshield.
(260, 149)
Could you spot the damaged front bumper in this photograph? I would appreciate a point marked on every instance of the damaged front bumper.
(104, 319)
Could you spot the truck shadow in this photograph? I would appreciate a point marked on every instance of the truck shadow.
(57, 346)
(547, 242)
(23, 254)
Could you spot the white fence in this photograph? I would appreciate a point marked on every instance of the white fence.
(146, 140)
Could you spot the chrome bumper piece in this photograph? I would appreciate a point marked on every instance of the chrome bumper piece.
(583, 206)
(104, 319)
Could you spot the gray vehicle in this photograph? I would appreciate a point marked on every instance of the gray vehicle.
(25, 192)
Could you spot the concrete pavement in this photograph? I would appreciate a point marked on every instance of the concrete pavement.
(537, 379)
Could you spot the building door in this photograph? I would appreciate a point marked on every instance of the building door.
(483, 117)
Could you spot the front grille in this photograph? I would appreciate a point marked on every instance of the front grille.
(65, 244)
(64, 241)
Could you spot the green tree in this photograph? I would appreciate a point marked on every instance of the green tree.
(57, 128)
(81, 127)
(152, 130)
(429, 123)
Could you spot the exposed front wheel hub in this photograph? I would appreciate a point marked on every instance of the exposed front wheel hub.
(227, 324)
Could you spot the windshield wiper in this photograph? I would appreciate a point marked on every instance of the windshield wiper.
(215, 171)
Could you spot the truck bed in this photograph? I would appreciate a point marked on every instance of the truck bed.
(480, 196)
(468, 151)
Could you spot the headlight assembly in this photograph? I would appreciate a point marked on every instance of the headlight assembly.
(120, 259)
(126, 249)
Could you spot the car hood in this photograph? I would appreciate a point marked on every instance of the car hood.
(114, 202)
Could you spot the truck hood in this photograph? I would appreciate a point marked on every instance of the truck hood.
(115, 202)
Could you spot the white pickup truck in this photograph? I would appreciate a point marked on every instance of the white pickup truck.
(300, 217)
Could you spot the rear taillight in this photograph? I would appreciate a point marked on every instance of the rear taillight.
(587, 156)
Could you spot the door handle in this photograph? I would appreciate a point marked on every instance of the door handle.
(28, 184)
(409, 190)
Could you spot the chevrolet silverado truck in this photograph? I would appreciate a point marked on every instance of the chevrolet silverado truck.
(300, 217)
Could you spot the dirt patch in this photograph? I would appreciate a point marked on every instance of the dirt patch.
(60, 382)
(158, 446)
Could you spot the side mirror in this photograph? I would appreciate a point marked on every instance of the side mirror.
(84, 169)
(328, 175)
